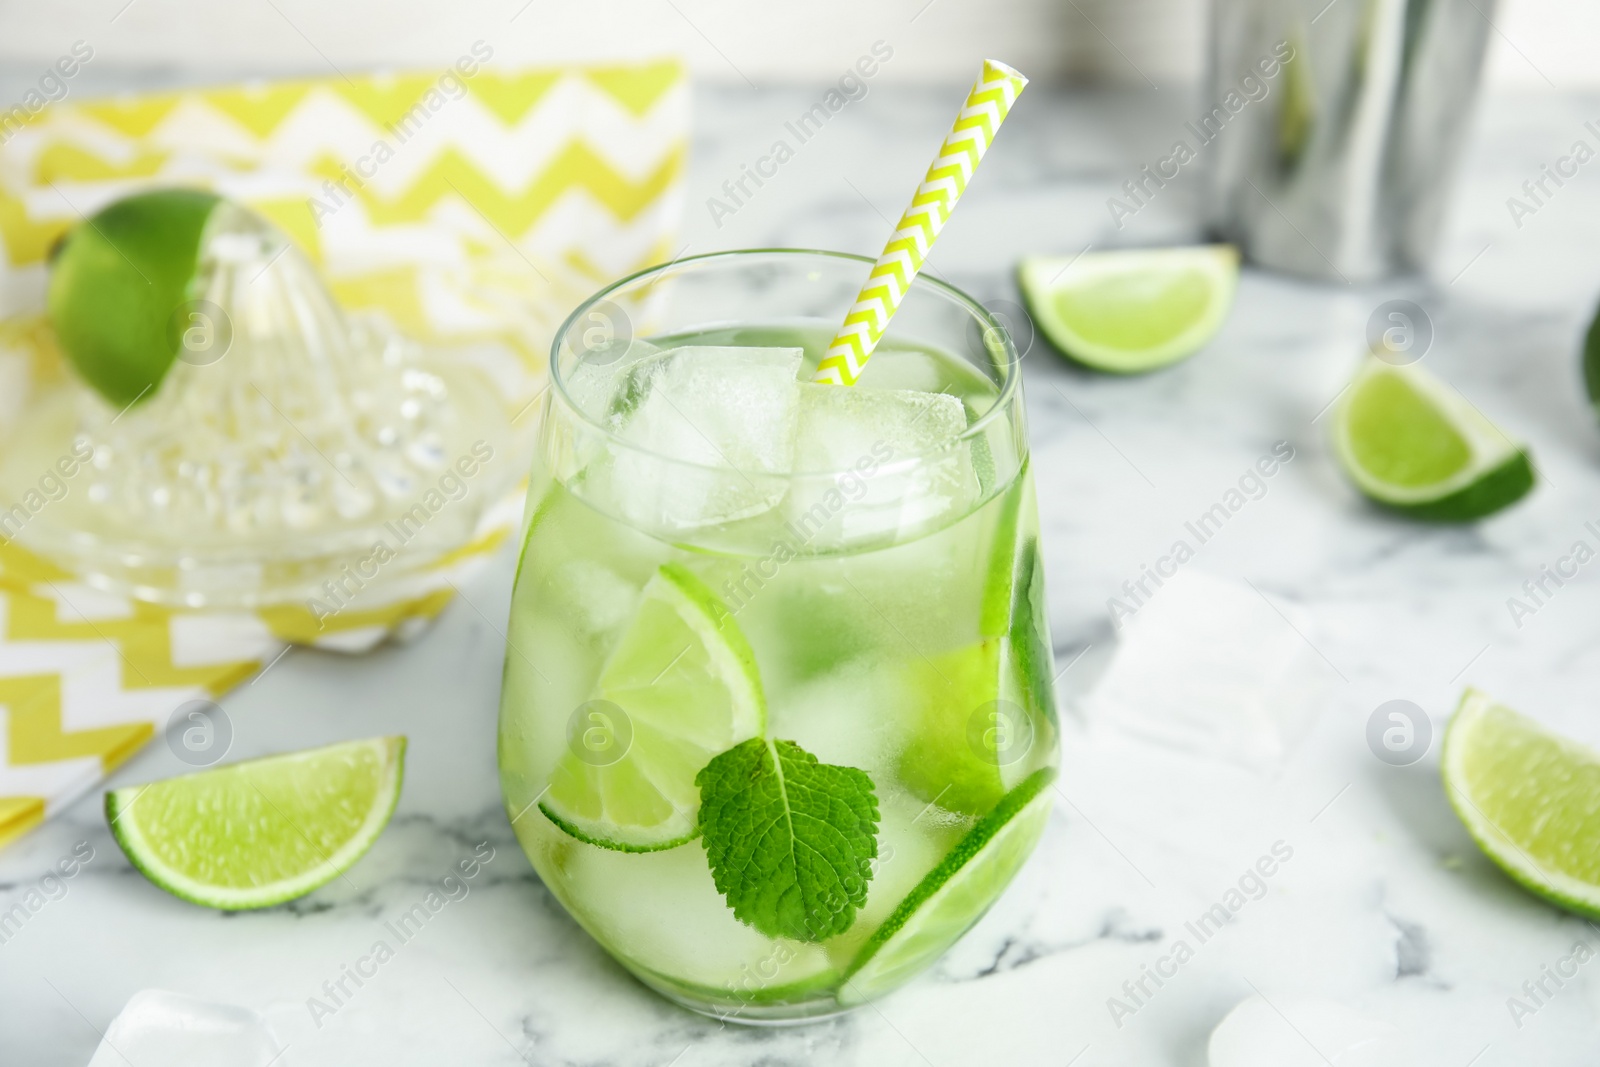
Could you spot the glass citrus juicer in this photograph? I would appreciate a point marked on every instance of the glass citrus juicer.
(217, 432)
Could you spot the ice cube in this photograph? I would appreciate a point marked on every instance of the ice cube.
(598, 382)
(838, 717)
(891, 453)
(913, 836)
(1303, 1032)
(1209, 666)
(596, 600)
(905, 368)
(723, 407)
(157, 1028)
(666, 912)
(713, 433)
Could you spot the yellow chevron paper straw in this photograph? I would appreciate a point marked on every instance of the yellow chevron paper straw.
(985, 109)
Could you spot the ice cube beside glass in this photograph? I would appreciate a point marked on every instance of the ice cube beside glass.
(159, 1028)
(1208, 666)
(1304, 1032)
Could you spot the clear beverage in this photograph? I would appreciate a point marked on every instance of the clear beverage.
(777, 726)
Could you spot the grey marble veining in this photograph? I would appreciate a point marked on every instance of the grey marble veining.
(1386, 905)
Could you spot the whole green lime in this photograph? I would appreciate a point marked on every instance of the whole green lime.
(117, 281)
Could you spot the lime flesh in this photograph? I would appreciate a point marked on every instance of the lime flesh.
(1131, 311)
(1530, 798)
(955, 894)
(1400, 438)
(680, 687)
(1410, 443)
(260, 832)
(117, 281)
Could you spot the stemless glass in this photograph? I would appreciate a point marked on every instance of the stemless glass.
(777, 724)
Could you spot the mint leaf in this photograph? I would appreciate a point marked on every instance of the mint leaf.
(790, 840)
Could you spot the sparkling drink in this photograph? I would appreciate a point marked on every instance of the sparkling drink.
(777, 724)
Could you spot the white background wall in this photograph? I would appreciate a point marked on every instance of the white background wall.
(1536, 43)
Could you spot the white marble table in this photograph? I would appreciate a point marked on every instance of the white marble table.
(1385, 906)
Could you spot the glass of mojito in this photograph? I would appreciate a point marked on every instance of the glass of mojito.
(777, 724)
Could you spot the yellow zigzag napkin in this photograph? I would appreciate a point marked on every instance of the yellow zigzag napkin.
(469, 207)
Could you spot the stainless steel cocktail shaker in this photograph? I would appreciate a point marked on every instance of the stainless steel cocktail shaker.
(1337, 165)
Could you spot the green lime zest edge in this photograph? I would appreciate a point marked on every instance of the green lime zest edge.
(567, 827)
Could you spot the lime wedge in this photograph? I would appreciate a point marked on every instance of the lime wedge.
(1413, 444)
(1131, 311)
(680, 687)
(954, 895)
(117, 281)
(1529, 798)
(264, 831)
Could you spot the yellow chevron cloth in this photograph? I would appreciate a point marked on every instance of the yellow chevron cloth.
(985, 108)
(471, 207)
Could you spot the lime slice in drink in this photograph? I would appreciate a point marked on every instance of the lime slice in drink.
(264, 831)
(117, 282)
(1033, 666)
(1529, 798)
(1013, 599)
(1131, 311)
(999, 586)
(1413, 444)
(969, 740)
(955, 894)
(980, 716)
(680, 687)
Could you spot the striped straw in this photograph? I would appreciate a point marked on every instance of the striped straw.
(985, 109)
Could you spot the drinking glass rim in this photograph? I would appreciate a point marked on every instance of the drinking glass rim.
(1011, 367)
